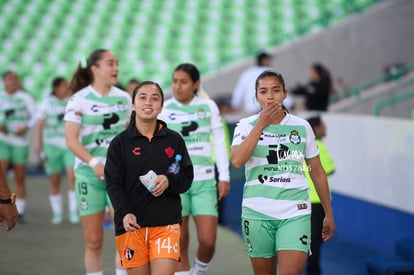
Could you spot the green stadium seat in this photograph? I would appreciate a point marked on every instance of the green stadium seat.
(41, 38)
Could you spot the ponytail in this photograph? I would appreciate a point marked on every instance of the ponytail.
(83, 74)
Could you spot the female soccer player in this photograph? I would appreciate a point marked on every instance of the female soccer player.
(96, 113)
(199, 122)
(50, 144)
(272, 146)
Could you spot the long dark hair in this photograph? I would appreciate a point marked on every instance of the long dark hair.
(134, 94)
(278, 76)
(191, 70)
(83, 74)
(324, 74)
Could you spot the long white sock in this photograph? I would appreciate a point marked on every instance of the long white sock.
(188, 272)
(95, 273)
(73, 204)
(119, 271)
(21, 205)
(56, 203)
(199, 267)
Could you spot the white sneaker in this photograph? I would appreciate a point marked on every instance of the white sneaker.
(74, 217)
(56, 219)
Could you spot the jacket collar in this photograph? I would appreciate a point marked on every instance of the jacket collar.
(160, 130)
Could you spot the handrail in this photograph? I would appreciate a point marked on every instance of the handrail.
(356, 90)
(392, 100)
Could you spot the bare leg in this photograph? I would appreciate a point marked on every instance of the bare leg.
(184, 264)
(264, 266)
(291, 262)
(163, 266)
(206, 235)
(93, 236)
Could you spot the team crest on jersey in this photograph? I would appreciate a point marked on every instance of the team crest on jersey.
(84, 204)
(294, 137)
(201, 114)
(128, 253)
(121, 107)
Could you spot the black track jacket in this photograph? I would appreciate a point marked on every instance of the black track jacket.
(131, 155)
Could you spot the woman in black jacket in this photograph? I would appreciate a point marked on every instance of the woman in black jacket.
(146, 197)
(318, 89)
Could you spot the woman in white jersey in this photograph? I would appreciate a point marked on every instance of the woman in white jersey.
(51, 145)
(272, 146)
(199, 122)
(17, 109)
(94, 115)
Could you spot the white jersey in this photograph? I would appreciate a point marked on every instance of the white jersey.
(101, 118)
(16, 111)
(200, 125)
(52, 111)
(276, 187)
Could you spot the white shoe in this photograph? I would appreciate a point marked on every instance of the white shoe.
(74, 217)
(56, 219)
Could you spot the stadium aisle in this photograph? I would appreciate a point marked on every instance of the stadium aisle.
(37, 247)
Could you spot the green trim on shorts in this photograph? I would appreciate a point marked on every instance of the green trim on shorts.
(200, 199)
(263, 238)
(14, 154)
(90, 192)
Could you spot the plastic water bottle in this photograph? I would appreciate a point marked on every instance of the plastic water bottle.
(174, 168)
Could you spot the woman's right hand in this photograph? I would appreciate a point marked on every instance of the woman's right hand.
(269, 113)
(130, 223)
(99, 171)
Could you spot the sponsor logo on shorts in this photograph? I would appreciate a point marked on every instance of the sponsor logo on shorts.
(128, 253)
(304, 239)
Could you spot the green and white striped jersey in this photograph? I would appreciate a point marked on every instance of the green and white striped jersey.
(52, 111)
(276, 187)
(16, 111)
(201, 127)
(101, 118)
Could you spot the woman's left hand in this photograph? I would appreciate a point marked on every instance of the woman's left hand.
(162, 184)
(328, 228)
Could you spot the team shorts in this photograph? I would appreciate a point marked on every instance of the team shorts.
(90, 191)
(148, 243)
(14, 154)
(57, 159)
(200, 199)
(263, 238)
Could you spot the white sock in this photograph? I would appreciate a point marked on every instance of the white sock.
(21, 205)
(188, 272)
(199, 267)
(95, 273)
(56, 203)
(73, 204)
(119, 271)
